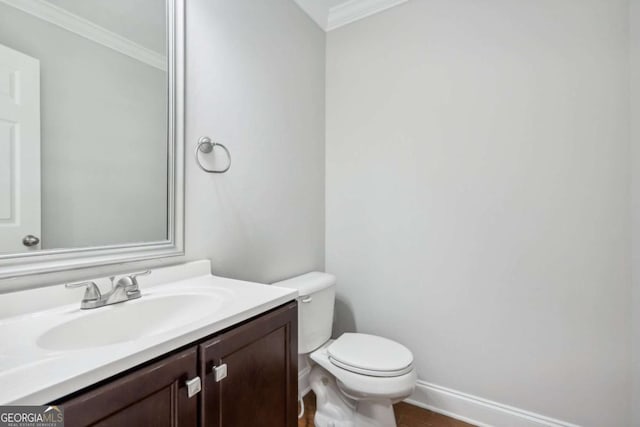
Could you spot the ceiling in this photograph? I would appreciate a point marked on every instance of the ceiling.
(332, 14)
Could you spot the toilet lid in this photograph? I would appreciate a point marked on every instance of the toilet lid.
(370, 355)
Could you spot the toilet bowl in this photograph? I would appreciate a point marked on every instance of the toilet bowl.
(357, 377)
(365, 392)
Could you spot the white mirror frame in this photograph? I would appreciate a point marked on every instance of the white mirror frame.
(49, 261)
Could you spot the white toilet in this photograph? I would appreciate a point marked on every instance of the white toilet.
(357, 377)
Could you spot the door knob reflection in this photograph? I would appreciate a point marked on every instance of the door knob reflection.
(30, 240)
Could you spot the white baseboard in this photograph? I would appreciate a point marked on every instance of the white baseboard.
(303, 381)
(476, 410)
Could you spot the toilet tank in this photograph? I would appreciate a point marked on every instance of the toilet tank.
(316, 295)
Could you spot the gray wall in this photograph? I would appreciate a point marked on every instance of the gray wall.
(478, 196)
(103, 114)
(255, 82)
(634, 40)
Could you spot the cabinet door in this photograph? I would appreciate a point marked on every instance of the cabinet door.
(261, 386)
(155, 395)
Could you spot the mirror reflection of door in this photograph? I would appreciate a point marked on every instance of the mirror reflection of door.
(19, 151)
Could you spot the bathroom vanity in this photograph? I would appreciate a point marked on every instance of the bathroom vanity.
(243, 376)
(194, 349)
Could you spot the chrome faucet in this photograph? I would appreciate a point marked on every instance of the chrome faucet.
(125, 289)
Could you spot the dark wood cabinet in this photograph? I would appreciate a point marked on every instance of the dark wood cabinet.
(260, 362)
(155, 395)
(259, 388)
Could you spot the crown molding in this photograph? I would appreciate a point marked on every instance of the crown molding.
(354, 10)
(315, 10)
(87, 29)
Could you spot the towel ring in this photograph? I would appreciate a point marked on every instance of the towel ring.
(206, 145)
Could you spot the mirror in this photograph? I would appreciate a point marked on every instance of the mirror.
(90, 142)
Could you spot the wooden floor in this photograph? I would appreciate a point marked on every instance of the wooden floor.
(406, 416)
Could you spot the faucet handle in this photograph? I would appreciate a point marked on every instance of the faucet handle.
(142, 273)
(134, 277)
(130, 281)
(91, 293)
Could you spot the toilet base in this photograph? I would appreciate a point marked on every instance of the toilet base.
(334, 409)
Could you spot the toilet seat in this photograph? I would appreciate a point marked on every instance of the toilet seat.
(370, 355)
(365, 387)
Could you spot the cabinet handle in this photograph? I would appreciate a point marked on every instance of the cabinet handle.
(194, 386)
(220, 372)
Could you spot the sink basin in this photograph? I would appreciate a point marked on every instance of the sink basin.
(128, 321)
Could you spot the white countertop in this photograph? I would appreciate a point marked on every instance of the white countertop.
(32, 375)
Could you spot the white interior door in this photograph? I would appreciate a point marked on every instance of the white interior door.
(19, 151)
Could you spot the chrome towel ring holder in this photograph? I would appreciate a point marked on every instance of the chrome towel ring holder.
(206, 145)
